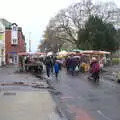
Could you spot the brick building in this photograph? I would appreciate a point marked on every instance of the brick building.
(14, 42)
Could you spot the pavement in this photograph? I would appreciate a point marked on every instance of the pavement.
(10, 79)
(25, 97)
(81, 99)
(19, 105)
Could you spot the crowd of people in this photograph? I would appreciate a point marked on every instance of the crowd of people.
(73, 64)
(52, 65)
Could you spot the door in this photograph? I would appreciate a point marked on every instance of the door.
(15, 59)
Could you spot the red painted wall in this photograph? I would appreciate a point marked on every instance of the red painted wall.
(9, 48)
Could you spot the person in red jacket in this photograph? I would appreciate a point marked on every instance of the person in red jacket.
(95, 69)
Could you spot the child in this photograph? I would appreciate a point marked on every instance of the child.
(56, 68)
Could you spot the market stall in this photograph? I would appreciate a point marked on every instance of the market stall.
(101, 56)
(98, 54)
(30, 62)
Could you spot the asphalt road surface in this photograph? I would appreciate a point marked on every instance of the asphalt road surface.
(81, 99)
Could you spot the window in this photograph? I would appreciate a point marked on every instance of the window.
(2, 52)
(14, 32)
(14, 41)
(14, 29)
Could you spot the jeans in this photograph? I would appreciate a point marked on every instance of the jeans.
(95, 75)
(56, 74)
(48, 70)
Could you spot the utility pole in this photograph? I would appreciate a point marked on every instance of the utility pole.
(29, 42)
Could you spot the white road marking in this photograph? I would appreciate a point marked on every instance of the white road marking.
(104, 116)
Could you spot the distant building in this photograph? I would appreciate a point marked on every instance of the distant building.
(14, 42)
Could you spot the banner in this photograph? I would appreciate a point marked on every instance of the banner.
(1, 36)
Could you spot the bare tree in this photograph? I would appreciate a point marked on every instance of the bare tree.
(66, 24)
(50, 42)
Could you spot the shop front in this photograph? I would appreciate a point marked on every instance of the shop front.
(2, 44)
(12, 58)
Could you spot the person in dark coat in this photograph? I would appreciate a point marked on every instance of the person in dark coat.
(27, 61)
(68, 63)
(48, 64)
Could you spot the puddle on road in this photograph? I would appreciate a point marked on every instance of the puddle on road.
(8, 93)
(38, 85)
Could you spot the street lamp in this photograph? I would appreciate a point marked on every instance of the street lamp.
(29, 42)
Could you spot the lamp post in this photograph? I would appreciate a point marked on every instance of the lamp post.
(29, 42)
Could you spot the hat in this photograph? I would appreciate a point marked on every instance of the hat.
(94, 59)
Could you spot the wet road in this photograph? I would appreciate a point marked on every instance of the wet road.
(81, 99)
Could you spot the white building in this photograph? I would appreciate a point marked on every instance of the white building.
(2, 44)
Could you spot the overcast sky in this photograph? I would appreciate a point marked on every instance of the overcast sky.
(33, 15)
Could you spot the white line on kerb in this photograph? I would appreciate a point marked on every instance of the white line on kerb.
(104, 116)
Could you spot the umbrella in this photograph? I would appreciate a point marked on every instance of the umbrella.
(49, 53)
(59, 61)
(76, 57)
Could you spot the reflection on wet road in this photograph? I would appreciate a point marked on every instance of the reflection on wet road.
(84, 99)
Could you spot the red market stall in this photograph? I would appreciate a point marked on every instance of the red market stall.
(33, 61)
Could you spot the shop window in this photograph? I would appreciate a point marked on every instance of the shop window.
(14, 41)
(14, 33)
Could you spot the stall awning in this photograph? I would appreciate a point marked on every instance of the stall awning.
(95, 52)
(24, 53)
(30, 53)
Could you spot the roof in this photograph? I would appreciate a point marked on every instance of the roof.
(5, 23)
(14, 24)
(30, 53)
